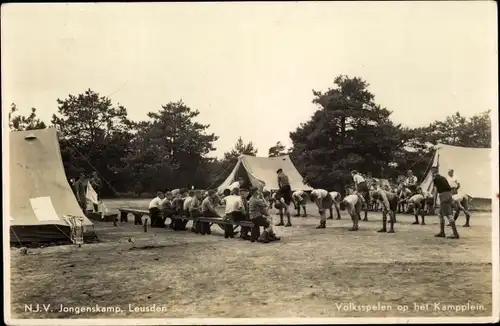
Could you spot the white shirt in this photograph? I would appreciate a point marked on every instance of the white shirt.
(319, 193)
(299, 194)
(457, 197)
(334, 194)
(234, 185)
(233, 203)
(358, 179)
(453, 181)
(416, 198)
(187, 202)
(156, 203)
(351, 199)
(411, 180)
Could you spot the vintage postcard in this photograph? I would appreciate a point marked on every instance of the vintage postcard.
(250, 163)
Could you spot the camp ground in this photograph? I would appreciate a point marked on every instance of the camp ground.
(121, 267)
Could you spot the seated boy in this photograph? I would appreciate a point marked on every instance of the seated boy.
(167, 207)
(178, 207)
(234, 211)
(155, 206)
(258, 213)
(195, 209)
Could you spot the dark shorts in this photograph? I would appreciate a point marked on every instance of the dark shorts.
(286, 193)
(237, 216)
(327, 202)
(260, 221)
(393, 204)
(445, 204)
(210, 214)
(363, 189)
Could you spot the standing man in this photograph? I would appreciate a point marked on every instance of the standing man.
(285, 192)
(453, 182)
(81, 191)
(96, 183)
(445, 204)
(363, 190)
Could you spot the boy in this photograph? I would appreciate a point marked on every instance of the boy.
(195, 209)
(299, 200)
(284, 187)
(167, 207)
(257, 211)
(178, 206)
(208, 210)
(353, 203)
(282, 207)
(403, 195)
(445, 204)
(323, 201)
(416, 204)
(155, 206)
(461, 203)
(428, 202)
(362, 189)
(389, 202)
(234, 211)
(336, 201)
(245, 197)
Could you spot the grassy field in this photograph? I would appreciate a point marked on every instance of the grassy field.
(309, 273)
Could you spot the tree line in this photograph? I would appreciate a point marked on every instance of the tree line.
(171, 149)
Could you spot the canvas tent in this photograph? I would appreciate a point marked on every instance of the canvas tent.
(261, 171)
(472, 167)
(40, 197)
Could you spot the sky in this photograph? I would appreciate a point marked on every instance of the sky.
(250, 68)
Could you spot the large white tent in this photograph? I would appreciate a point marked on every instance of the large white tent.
(472, 167)
(41, 201)
(261, 172)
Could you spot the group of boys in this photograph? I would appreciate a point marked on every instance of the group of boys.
(240, 204)
(253, 205)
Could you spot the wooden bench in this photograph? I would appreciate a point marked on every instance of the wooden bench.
(209, 221)
(137, 213)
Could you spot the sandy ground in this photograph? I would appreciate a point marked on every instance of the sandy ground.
(309, 273)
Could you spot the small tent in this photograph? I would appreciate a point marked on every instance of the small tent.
(261, 172)
(472, 167)
(42, 205)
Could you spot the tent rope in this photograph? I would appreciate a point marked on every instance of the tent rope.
(17, 238)
(93, 167)
(220, 175)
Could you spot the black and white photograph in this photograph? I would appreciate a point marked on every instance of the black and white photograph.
(226, 163)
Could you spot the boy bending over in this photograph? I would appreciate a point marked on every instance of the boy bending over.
(323, 201)
(389, 202)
